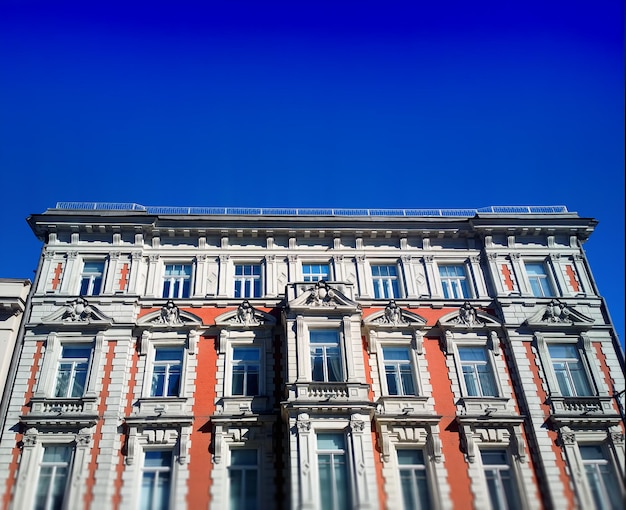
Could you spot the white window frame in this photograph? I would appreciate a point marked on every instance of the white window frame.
(251, 278)
(324, 345)
(498, 469)
(587, 357)
(244, 469)
(329, 275)
(168, 364)
(469, 277)
(384, 279)
(489, 361)
(173, 280)
(228, 383)
(92, 277)
(170, 470)
(497, 377)
(150, 342)
(569, 379)
(412, 362)
(345, 453)
(549, 277)
(46, 386)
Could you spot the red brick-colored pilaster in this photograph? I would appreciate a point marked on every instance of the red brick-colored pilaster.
(57, 276)
(6, 499)
(572, 278)
(97, 436)
(508, 281)
(117, 493)
(458, 476)
(200, 463)
(124, 277)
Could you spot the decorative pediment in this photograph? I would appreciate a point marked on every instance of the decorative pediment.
(557, 314)
(245, 316)
(78, 311)
(322, 296)
(170, 316)
(394, 317)
(468, 317)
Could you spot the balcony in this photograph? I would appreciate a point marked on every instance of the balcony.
(62, 411)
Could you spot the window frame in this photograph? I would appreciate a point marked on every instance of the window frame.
(171, 471)
(607, 460)
(168, 364)
(398, 279)
(510, 468)
(411, 362)
(478, 382)
(427, 468)
(325, 362)
(568, 378)
(329, 273)
(229, 380)
(241, 278)
(244, 469)
(150, 343)
(346, 454)
(68, 475)
(470, 282)
(174, 281)
(549, 277)
(92, 277)
(73, 361)
(458, 362)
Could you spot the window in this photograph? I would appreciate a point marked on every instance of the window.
(569, 370)
(325, 355)
(246, 368)
(333, 471)
(177, 281)
(91, 278)
(413, 480)
(53, 477)
(243, 475)
(398, 371)
(477, 372)
(454, 282)
(72, 373)
(604, 486)
(538, 279)
(315, 272)
(385, 282)
(166, 372)
(247, 281)
(500, 482)
(156, 480)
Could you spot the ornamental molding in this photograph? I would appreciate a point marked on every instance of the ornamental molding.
(557, 314)
(245, 316)
(168, 317)
(78, 311)
(394, 317)
(468, 317)
(323, 297)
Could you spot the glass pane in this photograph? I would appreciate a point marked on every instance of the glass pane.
(563, 351)
(243, 457)
(580, 379)
(166, 289)
(147, 490)
(250, 490)
(535, 268)
(162, 492)
(472, 354)
(408, 385)
(393, 354)
(165, 354)
(43, 486)
(325, 476)
(84, 286)
(494, 457)
(80, 376)
(238, 288)
(97, 284)
(245, 353)
(324, 336)
(63, 380)
(487, 381)
(57, 454)
(236, 485)
(412, 457)
(173, 384)
(406, 483)
(253, 382)
(158, 381)
(341, 486)
(392, 380)
(317, 364)
(334, 364)
(330, 441)
(471, 384)
(158, 458)
(591, 452)
(238, 378)
(76, 352)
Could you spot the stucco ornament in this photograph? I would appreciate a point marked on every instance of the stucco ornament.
(245, 314)
(78, 310)
(321, 294)
(169, 315)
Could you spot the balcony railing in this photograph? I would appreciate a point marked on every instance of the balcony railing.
(288, 211)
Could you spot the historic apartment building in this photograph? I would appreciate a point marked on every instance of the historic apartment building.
(285, 359)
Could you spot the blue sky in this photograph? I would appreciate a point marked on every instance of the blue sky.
(347, 104)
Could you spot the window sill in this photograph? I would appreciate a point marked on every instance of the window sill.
(50, 410)
(161, 406)
(407, 405)
(243, 405)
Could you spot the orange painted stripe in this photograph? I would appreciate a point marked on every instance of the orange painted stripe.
(200, 461)
(117, 493)
(560, 462)
(572, 278)
(458, 476)
(97, 436)
(10, 482)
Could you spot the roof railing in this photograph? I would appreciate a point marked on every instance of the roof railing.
(289, 211)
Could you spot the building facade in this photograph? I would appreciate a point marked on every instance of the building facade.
(313, 359)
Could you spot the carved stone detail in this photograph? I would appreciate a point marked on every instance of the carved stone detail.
(78, 310)
(467, 316)
(170, 315)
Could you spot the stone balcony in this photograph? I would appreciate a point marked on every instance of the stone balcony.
(62, 411)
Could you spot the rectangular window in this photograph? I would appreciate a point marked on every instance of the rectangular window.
(166, 372)
(315, 272)
(177, 281)
(500, 481)
(247, 280)
(156, 480)
(477, 372)
(569, 370)
(91, 278)
(333, 472)
(398, 371)
(413, 480)
(243, 475)
(246, 368)
(72, 373)
(538, 279)
(604, 485)
(325, 355)
(53, 477)
(385, 282)
(454, 282)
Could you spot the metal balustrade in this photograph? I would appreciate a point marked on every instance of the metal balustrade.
(287, 211)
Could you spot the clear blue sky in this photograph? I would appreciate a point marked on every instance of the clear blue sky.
(315, 103)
